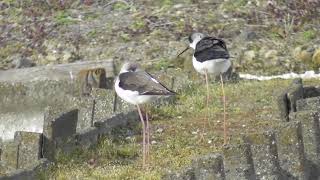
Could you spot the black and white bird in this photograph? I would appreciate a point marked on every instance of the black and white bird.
(138, 87)
(210, 57)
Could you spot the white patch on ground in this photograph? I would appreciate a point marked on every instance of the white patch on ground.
(306, 75)
(24, 121)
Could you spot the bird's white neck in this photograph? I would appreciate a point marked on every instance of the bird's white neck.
(195, 42)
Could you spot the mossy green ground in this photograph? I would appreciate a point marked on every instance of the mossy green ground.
(180, 132)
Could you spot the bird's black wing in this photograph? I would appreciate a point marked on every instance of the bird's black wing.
(142, 82)
(210, 48)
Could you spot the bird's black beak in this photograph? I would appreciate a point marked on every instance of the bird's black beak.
(183, 51)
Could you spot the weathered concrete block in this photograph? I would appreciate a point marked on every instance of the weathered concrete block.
(121, 119)
(89, 78)
(107, 103)
(59, 130)
(9, 155)
(287, 99)
(86, 108)
(29, 148)
(54, 72)
(209, 167)
(30, 173)
(282, 101)
(264, 154)
(311, 137)
(294, 93)
(308, 104)
(88, 137)
(238, 162)
(291, 150)
(126, 121)
(311, 91)
(310, 132)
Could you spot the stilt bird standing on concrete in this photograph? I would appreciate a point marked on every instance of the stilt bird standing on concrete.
(138, 87)
(210, 57)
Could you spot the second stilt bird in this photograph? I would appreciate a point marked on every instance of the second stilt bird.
(210, 57)
(138, 87)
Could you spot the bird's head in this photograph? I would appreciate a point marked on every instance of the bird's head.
(129, 67)
(194, 38)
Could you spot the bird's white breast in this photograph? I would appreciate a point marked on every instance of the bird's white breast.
(132, 97)
(215, 67)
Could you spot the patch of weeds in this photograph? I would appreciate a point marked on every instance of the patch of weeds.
(15, 14)
(309, 35)
(10, 49)
(233, 5)
(138, 24)
(9, 1)
(92, 33)
(179, 24)
(125, 37)
(128, 152)
(161, 64)
(165, 112)
(64, 18)
(166, 3)
(91, 16)
(275, 33)
(120, 6)
(76, 156)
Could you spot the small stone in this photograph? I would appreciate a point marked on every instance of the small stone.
(271, 57)
(22, 62)
(248, 35)
(66, 56)
(249, 55)
(178, 6)
(51, 58)
(303, 54)
(316, 57)
(271, 54)
(159, 130)
(194, 132)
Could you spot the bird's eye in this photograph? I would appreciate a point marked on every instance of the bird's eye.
(132, 68)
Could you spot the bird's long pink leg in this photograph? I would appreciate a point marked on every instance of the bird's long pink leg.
(207, 84)
(148, 134)
(144, 138)
(224, 112)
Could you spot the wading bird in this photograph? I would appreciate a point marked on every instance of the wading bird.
(138, 87)
(210, 57)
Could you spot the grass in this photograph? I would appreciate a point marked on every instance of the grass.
(64, 18)
(309, 34)
(179, 133)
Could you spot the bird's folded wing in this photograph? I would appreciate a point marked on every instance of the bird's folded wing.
(210, 48)
(142, 82)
